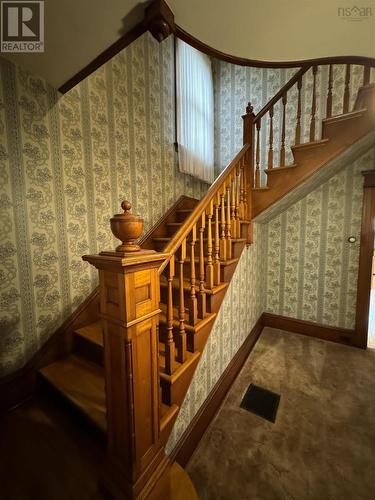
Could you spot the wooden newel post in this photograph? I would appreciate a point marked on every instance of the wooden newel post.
(129, 308)
(248, 138)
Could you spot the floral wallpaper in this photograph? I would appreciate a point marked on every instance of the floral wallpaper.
(311, 268)
(66, 162)
(243, 304)
(235, 85)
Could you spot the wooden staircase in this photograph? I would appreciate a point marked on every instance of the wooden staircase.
(176, 284)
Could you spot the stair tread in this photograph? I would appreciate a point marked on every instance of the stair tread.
(280, 169)
(92, 332)
(310, 144)
(82, 383)
(345, 116)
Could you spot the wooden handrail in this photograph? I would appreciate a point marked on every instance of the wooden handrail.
(281, 92)
(193, 218)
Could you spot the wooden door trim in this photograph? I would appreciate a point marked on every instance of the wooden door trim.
(365, 259)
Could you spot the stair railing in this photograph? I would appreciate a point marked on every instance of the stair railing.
(259, 130)
(199, 247)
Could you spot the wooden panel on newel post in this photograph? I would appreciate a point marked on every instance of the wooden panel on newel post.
(129, 308)
(248, 138)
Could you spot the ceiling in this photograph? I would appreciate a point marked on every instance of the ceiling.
(76, 31)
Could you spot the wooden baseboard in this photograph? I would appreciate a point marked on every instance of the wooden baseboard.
(193, 434)
(332, 333)
(19, 386)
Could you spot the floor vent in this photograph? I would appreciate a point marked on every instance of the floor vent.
(262, 402)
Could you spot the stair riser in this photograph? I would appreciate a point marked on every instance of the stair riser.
(226, 272)
(175, 393)
(89, 350)
(335, 129)
(214, 301)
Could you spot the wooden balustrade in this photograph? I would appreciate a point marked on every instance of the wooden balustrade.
(202, 288)
(329, 93)
(313, 106)
(193, 310)
(257, 156)
(210, 263)
(346, 101)
(217, 241)
(170, 348)
(181, 343)
(228, 224)
(270, 140)
(282, 149)
(223, 244)
(297, 139)
(253, 136)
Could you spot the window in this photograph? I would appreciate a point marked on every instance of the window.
(195, 112)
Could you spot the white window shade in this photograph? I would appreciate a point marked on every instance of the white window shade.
(195, 112)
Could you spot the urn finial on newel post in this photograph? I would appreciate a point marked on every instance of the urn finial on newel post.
(127, 227)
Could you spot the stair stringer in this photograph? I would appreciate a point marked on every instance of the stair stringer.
(318, 178)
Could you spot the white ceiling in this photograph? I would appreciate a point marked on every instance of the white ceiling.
(76, 31)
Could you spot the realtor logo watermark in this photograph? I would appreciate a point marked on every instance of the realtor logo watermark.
(355, 13)
(22, 26)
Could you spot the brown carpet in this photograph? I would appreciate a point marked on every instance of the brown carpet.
(322, 446)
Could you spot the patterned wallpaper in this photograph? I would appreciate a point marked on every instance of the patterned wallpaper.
(311, 267)
(236, 85)
(66, 162)
(244, 302)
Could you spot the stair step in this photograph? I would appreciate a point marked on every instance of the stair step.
(82, 383)
(276, 170)
(310, 145)
(347, 116)
(92, 332)
(179, 367)
(263, 188)
(167, 414)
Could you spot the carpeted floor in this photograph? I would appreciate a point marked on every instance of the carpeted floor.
(322, 445)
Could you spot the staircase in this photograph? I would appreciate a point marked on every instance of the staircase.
(187, 261)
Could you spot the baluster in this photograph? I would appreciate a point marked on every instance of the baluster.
(366, 75)
(202, 290)
(313, 105)
(329, 95)
(270, 150)
(217, 241)
(257, 157)
(233, 208)
(223, 243)
(298, 118)
(347, 90)
(170, 349)
(193, 310)
(228, 221)
(181, 344)
(210, 267)
(242, 183)
(237, 202)
(282, 149)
